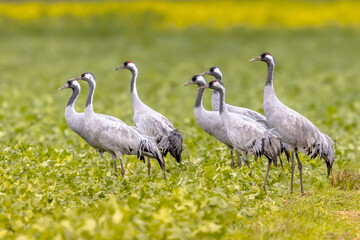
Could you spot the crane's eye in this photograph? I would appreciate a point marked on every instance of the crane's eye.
(212, 69)
(194, 77)
(69, 83)
(127, 63)
(83, 75)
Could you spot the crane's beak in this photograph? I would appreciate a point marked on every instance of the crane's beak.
(186, 84)
(205, 73)
(63, 87)
(255, 59)
(74, 79)
(203, 87)
(119, 67)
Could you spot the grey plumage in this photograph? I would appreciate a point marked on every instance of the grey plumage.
(106, 134)
(75, 119)
(210, 121)
(261, 119)
(247, 136)
(295, 130)
(152, 123)
(216, 72)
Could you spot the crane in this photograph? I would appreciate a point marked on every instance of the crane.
(106, 134)
(210, 121)
(247, 136)
(295, 130)
(152, 123)
(216, 72)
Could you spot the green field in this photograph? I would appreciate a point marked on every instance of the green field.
(55, 186)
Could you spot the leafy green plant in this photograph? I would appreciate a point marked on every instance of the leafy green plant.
(54, 186)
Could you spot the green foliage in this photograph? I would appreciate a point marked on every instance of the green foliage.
(54, 186)
(346, 179)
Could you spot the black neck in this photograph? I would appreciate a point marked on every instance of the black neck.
(222, 107)
(199, 97)
(73, 97)
(218, 77)
(269, 78)
(89, 99)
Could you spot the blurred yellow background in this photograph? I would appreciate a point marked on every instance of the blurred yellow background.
(212, 14)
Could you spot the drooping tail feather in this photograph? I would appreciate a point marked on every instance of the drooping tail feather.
(324, 147)
(149, 149)
(173, 144)
(278, 146)
(176, 145)
(327, 152)
(274, 148)
(163, 144)
(285, 149)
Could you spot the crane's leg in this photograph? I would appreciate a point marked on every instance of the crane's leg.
(292, 170)
(121, 164)
(255, 158)
(232, 164)
(148, 165)
(114, 160)
(267, 173)
(300, 172)
(239, 159)
(244, 154)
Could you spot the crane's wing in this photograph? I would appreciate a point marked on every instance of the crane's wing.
(109, 117)
(152, 125)
(211, 123)
(294, 128)
(249, 113)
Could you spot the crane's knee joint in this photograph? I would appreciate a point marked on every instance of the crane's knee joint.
(300, 166)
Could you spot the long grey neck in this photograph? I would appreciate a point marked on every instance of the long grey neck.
(271, 102)
(89, 100)
(215, 98)
(199, 97)
(222, 107)
(73, 98)
(269, 78)
(134, 94)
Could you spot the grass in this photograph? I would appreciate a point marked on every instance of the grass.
(54, 186)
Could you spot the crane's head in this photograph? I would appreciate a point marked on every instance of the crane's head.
(71, 84)
(265, 57)
(126, 65)
(216, 85)
(214, 71)
(196, 79)
(86, 76)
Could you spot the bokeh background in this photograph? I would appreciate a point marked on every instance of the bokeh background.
(54, 186)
